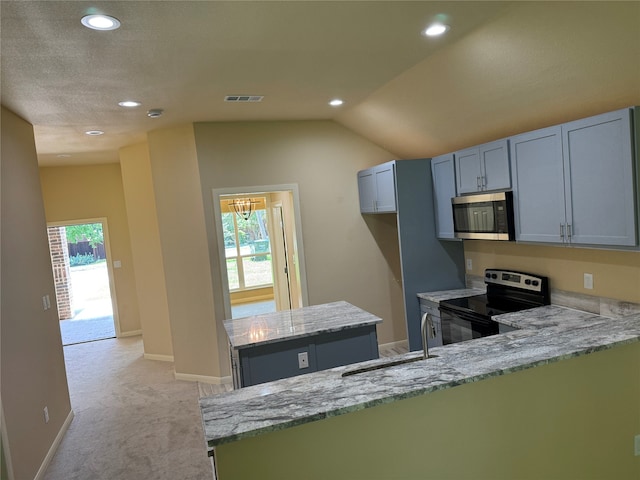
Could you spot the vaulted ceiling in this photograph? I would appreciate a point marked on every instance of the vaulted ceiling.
(503, 67)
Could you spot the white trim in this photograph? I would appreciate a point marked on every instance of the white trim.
(130, 333)
(287, 187)
(54, 447)
(160, 358)
(400, 343)
(203, 378)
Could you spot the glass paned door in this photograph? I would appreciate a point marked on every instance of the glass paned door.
(247, 247)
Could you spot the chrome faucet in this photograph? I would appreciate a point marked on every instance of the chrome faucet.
(426, 319)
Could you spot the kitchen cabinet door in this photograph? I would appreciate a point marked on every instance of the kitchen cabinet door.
(444, 188)
(538, 186)
(494, 165)
(367, 191)
(482, 168)
(600, 197)
(468, 171)
(385, 188)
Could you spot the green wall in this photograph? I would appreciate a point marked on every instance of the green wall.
(574, 419)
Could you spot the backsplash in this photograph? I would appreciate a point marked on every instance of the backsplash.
(607, 307)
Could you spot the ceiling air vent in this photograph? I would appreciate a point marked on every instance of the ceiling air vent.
(243, 98)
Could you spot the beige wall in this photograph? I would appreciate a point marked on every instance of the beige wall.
(85, 192)
(32, 365)
(574, 419)
(197, 343)
(616, 274)
(146, 252)
(343, 260)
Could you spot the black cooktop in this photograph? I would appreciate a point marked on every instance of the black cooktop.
(507, 291)
(486, 306)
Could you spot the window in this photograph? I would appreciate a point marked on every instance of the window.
(247, 246)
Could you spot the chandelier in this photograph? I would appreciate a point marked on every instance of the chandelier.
(243, 207)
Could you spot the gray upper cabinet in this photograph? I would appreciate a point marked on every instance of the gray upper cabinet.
(575, 183)
(484, 167)
(599, 188)
(538, 185)
(377, 189)
(444, 188)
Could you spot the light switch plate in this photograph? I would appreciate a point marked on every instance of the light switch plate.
(469, 264)
(636, 446)
(588, 281)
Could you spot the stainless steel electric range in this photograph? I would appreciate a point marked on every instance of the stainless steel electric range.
(507, 291)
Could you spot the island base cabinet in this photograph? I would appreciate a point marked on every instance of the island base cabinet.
(544, 422)
(273, 361)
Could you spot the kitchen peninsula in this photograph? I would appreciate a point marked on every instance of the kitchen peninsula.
(407, 421)
(288, 343)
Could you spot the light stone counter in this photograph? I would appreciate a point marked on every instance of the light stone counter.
(302, 322)
(436, 297)
(546, 334)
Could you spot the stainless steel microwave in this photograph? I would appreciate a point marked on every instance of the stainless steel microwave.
(488, 216)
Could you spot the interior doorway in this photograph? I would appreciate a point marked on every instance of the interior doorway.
(260, 249)
(83, 280)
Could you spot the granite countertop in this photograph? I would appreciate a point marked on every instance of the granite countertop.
(546, 334)
(436, 297)
(298, 323)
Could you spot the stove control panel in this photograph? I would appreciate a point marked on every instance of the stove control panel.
(507, 278)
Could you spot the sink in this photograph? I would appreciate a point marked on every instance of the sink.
(380, 366)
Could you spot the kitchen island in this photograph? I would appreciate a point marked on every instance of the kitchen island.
(551, 421)
(288, 343)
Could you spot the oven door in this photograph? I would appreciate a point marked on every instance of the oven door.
(460, 326)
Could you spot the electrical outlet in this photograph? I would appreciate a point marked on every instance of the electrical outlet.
(469, 264)
(46, 414)
(46, 302)
(636, 446)
(588, 281)
(303, 360)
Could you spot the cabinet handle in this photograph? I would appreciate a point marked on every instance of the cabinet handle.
(478, 182)
(432, 327)
(568, 230)
(562, 230)
(484, 182)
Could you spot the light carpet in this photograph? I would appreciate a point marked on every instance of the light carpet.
(133, 420)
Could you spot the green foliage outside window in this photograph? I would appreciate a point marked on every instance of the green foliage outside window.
(90, 232)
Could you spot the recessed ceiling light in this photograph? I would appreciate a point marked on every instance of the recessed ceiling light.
(336, 102)
(435, 29)
(100, 22)
(94, 133)
(129, 103)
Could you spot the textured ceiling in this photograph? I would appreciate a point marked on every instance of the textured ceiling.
(413, 95)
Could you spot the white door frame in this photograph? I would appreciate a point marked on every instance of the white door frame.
(255, 190)
(107, 251)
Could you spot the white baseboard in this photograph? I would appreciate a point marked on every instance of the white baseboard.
(203, 378)
(54, 447)
(160, 358)
(130, 333)
(400, 344)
